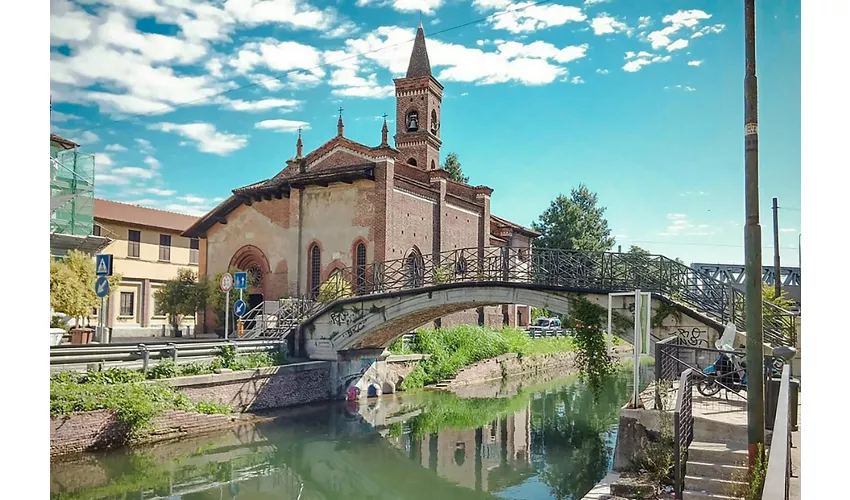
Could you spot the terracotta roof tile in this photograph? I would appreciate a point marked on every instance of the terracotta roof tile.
(135, 215)
(504, 222)
(64, 142)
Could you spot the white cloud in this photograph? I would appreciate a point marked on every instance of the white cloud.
(161, 192)
(678, 44)
(115, 147)
(134, 172)
(103, 161)
(81, 138)
(693, 193)
(577, 80)
(682, 87)
(289, 13)
(787, 230)
(694, 63)
(187, 209)
(428, 7)
(536, 63)
(56, 116)
(708, 30)
(594, 2)
(277, 56)
(192, 199)
(347, 83)
(281, 125)
(644, 22)
(681, 19)
(206, 137)
(262, 104)
(524, 17)
(604, 24)
(634, 62)
(602, 71)
(681, 225)
(145, 146)
(152, 162)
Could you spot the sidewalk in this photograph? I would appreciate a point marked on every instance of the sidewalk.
(794, 491)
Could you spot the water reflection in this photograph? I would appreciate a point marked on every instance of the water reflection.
(552, 440)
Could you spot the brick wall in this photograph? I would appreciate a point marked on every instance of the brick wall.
(261, 389)
(510, 364)
(100, 429)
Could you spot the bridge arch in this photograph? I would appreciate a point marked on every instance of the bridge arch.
(365, 323)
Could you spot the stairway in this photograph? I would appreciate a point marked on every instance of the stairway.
(712, 470)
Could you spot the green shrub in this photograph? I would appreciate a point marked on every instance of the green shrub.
(210, 408)
(195, 369)
(164, 369)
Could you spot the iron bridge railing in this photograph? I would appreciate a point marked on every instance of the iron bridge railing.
(683, 428)
(602, 272)
(777, 481)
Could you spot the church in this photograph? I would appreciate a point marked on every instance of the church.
(346, 204)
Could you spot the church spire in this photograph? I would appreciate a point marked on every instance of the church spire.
(384, 133)
(339, 125)
(419, 63)
(299, 146)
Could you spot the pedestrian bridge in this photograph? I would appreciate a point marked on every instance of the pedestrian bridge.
(374, 304)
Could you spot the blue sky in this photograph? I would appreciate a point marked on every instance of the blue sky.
(641, 101)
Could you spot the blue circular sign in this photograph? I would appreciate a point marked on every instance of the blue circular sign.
(101, 286)
(240, 308)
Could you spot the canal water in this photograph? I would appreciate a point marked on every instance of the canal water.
(540, 440)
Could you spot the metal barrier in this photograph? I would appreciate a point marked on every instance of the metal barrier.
(140, 355)
(777, 481)
(683, 426)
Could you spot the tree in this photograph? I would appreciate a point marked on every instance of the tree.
(574, 223)
(72, 280)
(336, 287)
(181, 296)
(452, 167)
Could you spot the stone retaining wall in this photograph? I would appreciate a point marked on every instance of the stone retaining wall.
(101, 429)
(261, 388)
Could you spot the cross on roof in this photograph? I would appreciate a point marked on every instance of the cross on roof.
(340, 111)
(385, 116)
(299, 130)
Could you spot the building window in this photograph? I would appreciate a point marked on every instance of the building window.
(415, 269)
(194, 250)
(315, 266)
(360, 266)
(95, 231)
(128, 304)
(165, 247)
(134, 240)
(411, 161)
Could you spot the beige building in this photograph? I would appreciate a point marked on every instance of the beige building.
(147, 249)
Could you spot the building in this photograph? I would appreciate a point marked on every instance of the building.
(147, 249)
(349, 204)
(71, 199)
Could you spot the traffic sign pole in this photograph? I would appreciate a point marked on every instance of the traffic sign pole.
(226, 312)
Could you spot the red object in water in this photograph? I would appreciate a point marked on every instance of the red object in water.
(351, 393)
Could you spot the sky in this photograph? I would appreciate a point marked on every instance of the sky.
(182, 101)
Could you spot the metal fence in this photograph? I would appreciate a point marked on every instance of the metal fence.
(141, 355)
(777, 480)
(683, 426)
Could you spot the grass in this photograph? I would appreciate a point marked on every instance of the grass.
(135, 403)
(453, 349)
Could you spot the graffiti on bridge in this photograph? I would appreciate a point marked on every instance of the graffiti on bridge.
(694, 336)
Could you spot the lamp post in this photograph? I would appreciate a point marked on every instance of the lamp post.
(752, 243)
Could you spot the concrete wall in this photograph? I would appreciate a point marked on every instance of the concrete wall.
(100, 429)
(260, 389)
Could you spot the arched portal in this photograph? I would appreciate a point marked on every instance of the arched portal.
(253, 261)
(414, 269)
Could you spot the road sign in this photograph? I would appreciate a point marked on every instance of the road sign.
(101, 286)
(103, 264)
(240, 280)
(240, 308)
(226, 282)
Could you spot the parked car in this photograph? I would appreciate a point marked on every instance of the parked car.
(546, 327)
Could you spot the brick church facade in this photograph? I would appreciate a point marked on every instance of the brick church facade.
(347, 204)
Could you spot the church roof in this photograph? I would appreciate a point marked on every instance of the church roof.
(504, 223)
(419, 64)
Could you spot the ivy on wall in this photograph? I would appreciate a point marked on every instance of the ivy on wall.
(592, 360)
(663, 311)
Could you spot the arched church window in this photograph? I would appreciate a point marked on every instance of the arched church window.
(360, 267)
(433, 165)
(315, 266)
(412, 121)
(414, 269)
(411, 161)
(435, 125)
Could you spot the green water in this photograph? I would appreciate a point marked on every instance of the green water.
(545, 441)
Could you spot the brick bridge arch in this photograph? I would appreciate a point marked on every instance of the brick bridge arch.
(373, 322)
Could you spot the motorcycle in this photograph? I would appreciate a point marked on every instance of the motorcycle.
(729, 372)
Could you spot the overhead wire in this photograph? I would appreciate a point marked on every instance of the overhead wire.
(328, 63)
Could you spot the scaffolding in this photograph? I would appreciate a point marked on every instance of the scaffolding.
(71, 193)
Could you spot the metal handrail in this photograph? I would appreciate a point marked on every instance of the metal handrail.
(683, 424)
(777, 480)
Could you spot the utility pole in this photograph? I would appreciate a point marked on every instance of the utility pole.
(777, 283)
(752, 243)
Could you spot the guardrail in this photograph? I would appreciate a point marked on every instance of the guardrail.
(777, 481)
(140, 355)
(683, 427)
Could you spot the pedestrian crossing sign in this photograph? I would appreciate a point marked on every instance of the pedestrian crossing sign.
(103, 264)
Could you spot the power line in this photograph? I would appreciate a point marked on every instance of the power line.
(260, 82)
(701, 244)
(789, 208)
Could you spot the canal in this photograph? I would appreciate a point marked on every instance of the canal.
(540, 440)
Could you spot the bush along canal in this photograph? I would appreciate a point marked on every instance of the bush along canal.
(545, 439)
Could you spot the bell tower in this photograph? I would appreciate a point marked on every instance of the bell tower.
(418, 105)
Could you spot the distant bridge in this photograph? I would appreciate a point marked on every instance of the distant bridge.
(403, 288)
(735, 274)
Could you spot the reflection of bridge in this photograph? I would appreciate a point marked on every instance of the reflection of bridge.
(789, 277)
(361, 302)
